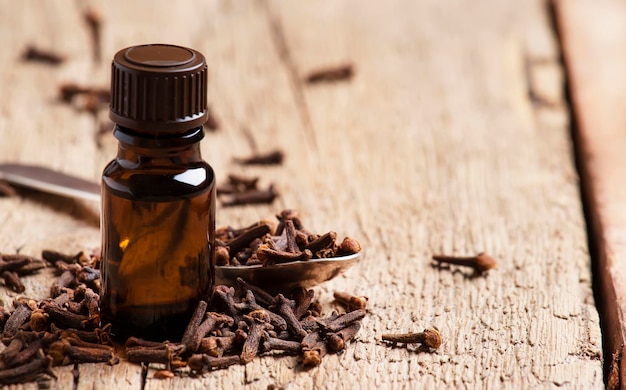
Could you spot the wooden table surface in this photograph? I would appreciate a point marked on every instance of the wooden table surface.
(452, 137)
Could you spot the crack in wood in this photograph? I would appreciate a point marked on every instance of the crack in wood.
(76, 374)
(282, 49)
(604, 294)
(144, 375)
(249, 137)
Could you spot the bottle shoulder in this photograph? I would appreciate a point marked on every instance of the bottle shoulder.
(148, 182)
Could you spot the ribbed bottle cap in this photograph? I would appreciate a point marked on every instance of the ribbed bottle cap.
(159, 88)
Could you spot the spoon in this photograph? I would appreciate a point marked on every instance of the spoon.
(285, 276)
(273, 277)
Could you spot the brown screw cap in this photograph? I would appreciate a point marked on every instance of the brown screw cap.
(159, 88)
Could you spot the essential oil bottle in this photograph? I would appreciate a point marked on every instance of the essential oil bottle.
(158, 195)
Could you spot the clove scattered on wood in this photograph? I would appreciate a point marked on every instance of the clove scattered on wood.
(352, 302)
(240, 190)
(238, 184)
(12, 267)
(331, 74)
(13, 282)
(274, 157)
(35, 54)
(28, 372)
(203, 362)
(430, 338)
(481, 263)
(253, 196)
(89, 99)
(163, 374)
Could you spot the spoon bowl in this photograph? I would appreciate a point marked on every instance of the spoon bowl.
(285, 276)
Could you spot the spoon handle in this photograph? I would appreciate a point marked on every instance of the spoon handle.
(50, 181)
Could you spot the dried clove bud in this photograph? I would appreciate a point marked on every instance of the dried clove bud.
(244, 239)
(325, 241)
(13, 262)
(29, 352)
(284, 306)
(274, 157)
(192, 326)
(217, 345)
(30, 268)
(39, 320)
(313, 357)
(52, 256)
(285, 215)
(337, 341)
(204, 362)
(252, 197)
(10, 352)
(90, 99)
(481, 263)
(348, 246)
(343, 320)
(351, 302)
(137, 342)
(13, 282)
(35, 54)
(67, 279)
(237, 184)
(212, 322)
(303, 299)
(249, 304)
(430, 338)
(29, 371)
(258, 322)
(63, 353)
(271, 256)
(20, 315)
(222, 257)
(169, 355)
(330, 74)
(261, 296)
(163, 374)
(276, 344)
(65, 318)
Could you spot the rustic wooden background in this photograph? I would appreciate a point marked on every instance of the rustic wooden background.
(592, 33)
(452, 137)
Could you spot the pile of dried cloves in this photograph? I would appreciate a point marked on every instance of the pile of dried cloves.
(264, 244)
(246, 321)
(61, 330)
(240, 323)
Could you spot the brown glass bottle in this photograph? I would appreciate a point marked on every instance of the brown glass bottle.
(158, 195)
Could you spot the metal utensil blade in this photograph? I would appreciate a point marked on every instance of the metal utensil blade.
(50, 181)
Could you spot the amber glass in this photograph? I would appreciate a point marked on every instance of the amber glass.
(158, 224)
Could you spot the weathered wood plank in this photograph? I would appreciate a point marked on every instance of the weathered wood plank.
(593, 33)
(442, 137)
(434, 146)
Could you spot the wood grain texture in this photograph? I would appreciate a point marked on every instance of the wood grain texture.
(592, 33)
(437, 145)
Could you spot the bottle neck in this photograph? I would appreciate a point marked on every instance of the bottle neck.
(158, 148)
